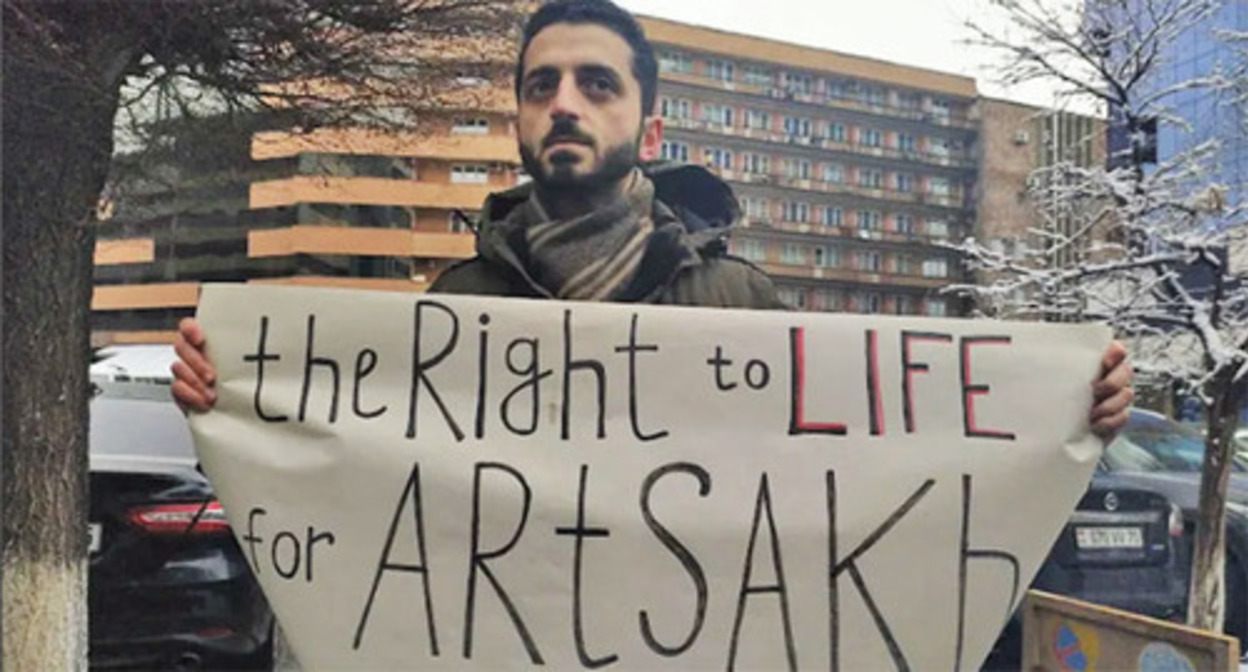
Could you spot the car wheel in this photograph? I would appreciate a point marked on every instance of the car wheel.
(1237, 601)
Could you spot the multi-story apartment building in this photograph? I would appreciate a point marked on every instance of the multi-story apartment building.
(851, 172)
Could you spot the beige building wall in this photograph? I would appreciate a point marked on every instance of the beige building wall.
(1008, 155)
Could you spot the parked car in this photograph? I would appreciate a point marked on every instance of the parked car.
(1123, 548)
(168, 586)
(1154, 452)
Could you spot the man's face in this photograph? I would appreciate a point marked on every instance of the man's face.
(580, 119)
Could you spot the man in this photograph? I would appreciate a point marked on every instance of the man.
(593, 225)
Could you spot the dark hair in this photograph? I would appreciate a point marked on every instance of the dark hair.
(608, 15)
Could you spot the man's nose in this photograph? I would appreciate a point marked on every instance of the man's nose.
(568, 100)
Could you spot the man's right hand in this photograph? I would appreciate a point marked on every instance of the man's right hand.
(193, 375)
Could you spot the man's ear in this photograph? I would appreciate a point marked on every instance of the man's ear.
(651, 139)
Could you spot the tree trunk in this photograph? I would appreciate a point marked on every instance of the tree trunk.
(57, 129)
(1207, 598)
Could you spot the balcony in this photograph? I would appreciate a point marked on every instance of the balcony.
(367, 191)
(124, 251)
(849, 275)
(153, 296)
(279, 144)
(764, 225)
(359, 241)
(818, 142)
(837, 188)
(933, 117)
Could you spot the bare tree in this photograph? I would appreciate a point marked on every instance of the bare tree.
(69, 67)
(1154, 240)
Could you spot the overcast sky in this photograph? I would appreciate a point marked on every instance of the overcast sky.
(925, 33)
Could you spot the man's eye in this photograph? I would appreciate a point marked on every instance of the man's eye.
(600, 85)
(538, 89)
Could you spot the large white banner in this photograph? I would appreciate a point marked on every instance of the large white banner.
(439, 482)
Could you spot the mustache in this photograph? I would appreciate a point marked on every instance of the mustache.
(566, 131)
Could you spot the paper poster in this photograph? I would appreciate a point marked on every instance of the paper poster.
(448, 482)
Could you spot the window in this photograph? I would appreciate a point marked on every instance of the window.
(940, 108)
(905, 182)
(908, 101)
(836, 132)
(673, 108)
(794, 297)
(935, 268)
(869, 137)
(475, 126)
(936, 307)
(675, 151)
(472, 75)
(758, 120)
(906, 142)
(870, 261)
(827, 257)
(757, 164)
(749, 249)
(937, 229)
(757, 76)
(457, 224)
(833, 216)
(938, 186)
(797, 169)
(874, 95)
(905, 265)
(797, 126)
(799, 83)
(792, 254)
(905, 224)
(834, 173)
(872, 179)
(721, 70)
(717, 114)
(757, 208)
(868, 303)
(903, 305)
(869, 220)
(675, 62)
(471, 173)
(714, 157)
(795, 211)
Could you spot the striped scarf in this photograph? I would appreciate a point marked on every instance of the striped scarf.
(592, 257)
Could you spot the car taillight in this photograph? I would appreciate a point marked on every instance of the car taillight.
(194, 518)
(1176, 521)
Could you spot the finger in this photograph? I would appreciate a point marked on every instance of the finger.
(1113, 406)
(188, 376)
(1116, 354)
(194, 357)
(188, 397)
(1117, 379)
(189, 329)
(1108, 427)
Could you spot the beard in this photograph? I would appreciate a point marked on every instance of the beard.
(617, 163)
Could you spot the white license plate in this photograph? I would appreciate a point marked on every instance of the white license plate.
(97, 537)
(1109, 537)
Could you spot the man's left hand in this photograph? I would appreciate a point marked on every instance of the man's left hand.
(1112, 394)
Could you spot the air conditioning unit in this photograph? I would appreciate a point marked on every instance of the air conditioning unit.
(1022, 138)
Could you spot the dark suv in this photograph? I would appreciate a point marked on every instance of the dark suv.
(168, 586)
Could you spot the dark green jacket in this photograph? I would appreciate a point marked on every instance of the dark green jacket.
(686, 262)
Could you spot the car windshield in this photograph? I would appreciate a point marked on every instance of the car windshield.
(1150, 444)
